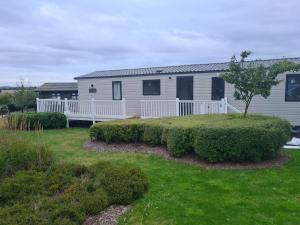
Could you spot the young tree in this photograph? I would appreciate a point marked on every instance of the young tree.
(24, 98)
(251, 79)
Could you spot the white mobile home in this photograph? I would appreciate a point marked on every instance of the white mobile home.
(187, 82)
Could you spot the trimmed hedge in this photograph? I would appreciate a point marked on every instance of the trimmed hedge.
(35, 120)
(215, 138)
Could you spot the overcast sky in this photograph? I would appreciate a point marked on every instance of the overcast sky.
(54, 41)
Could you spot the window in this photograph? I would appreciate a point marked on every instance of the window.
(151, 87)
(117, 90)
(55, 95)
(292, 89)
(74, 96)
(217, 88)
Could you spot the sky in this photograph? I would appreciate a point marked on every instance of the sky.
(56, 40)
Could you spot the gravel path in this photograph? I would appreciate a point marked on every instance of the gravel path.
(109, 216)
(193, 159)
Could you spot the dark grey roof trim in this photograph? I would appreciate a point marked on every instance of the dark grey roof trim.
(175, 70)
(58, 87)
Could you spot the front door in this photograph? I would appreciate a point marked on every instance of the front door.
(185, 92)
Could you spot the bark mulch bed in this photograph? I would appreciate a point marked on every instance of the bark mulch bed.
(191, 159)
(109, 216)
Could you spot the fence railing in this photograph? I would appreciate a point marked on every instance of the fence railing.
(165, 108)
(85, 109)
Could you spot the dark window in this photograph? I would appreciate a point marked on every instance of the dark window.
(292, 89)
(74, 96)
(151, 87)
(217, 88)
(117, 90)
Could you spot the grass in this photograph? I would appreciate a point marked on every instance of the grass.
(184, 194)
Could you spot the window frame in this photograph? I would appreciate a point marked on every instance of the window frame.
(211, 97)
(153, 80)
(286, 87)
(113, 94)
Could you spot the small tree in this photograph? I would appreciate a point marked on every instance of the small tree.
(251, 79)
(24, 98)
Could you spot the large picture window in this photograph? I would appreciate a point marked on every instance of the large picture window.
(151, 87)
(117, 90)
(292, 89)
(217, 88)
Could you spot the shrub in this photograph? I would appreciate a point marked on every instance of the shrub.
(153, 134)
(77, 197)
(18, 153)
(116, 132)
(216, 138)
(24, 121)
(92, 203)
(241, 143)
(179, 141)
(122, 185)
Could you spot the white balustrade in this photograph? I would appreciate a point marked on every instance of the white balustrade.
(85, 109)
(164, 108)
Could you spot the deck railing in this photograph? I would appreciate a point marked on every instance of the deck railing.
(93, 110)
(165, 108)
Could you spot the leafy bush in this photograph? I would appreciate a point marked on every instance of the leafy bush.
(92, 203)
(241, 143)
(28, 121)
(17, 153)
(43, 192)
(153, 134)
(179, 141)
(116, 133)
(123, 186)
(216, 138)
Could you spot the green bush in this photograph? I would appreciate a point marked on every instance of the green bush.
(93, 203)
(216, 138)
(18, 153)
(179, 141)
(40, 191)
(24, 121)
(241, 143)
(122, 185)
(116, 133)
(153, 134)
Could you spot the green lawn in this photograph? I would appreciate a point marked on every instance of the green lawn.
(183, 194)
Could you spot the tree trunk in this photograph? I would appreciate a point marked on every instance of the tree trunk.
(247, 107)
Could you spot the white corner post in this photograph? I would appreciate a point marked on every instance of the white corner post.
(124, 108)
(93, 110)
(177, 106)
(38, 105)
(66, 112)
(225, 105)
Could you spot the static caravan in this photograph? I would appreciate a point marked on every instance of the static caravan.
(158, 86)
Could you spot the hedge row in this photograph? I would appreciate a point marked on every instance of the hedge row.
(36, 120)
(224, 138)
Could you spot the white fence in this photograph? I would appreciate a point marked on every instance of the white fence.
(101, 110)
(93, 110)
(164, 108)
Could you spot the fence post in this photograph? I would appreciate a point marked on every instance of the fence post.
(177, 106)
(37, 104)
(66, 111)
(93, 110)
(225, 105)
(124, 108)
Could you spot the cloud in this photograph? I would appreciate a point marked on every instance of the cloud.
(58, 40)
